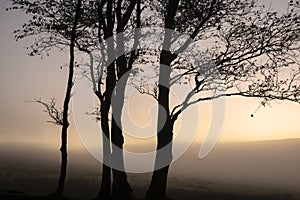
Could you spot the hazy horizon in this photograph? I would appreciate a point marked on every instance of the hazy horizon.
(257, 151)
(265, 167)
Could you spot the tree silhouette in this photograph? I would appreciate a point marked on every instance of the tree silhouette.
(51, 21)
(112, 18)
(254, 51)
(121, 189)
(55, 23)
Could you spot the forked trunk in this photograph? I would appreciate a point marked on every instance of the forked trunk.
(105, 102)
(105, 188)
(120, 188)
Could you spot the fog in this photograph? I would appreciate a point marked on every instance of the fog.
(267, 167)
(266, 164)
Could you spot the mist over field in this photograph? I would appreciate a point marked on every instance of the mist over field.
(252, 168)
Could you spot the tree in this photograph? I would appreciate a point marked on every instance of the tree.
(251, 47)
(112, 19)
(99, 21)
(124, 63)
(55, 23)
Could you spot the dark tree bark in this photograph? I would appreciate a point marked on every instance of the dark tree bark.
(105, 100)
(105, 188)
(121, 189)
(65, 123)
(158, 185)
(241, 50)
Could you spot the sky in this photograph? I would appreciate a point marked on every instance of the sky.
(23, 78)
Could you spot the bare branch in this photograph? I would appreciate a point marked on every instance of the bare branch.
(50, 108)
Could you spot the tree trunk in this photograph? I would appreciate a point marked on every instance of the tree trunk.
(121, 188)
(63, 166)
(158, 185)
(105, 188)
(65, 125)
(105, 102)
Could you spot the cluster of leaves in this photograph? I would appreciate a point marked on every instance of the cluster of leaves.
(254, 50)
(51, 23)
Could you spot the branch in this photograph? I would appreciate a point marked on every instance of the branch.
(197, 29)
(50, 108)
